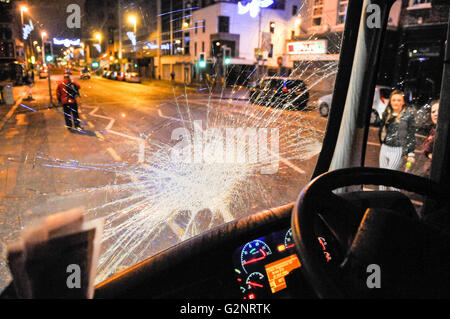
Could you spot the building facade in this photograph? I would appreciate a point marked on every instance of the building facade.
(12, 56)
(289, 37)
(252, 41)
(421, 42)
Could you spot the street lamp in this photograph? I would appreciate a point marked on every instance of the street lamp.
(43, 35)
(133, 20)
(22, 10)
(98, 37)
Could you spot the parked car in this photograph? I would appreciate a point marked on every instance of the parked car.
(113, 75)
(120, 76)
(380, 100)
(85, 74)
(43, 72)
(133, 77)
(280, 91)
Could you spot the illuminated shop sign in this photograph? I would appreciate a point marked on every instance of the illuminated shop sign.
(151, 46)
(307, 47)
(165, 46)
(253, 7)
(66, 42)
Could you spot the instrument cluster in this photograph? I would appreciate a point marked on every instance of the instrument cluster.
(262, 265)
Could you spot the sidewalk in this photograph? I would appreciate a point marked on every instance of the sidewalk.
(6, 111)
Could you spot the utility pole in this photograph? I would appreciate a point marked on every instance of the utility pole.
(159, 40)
(25, 46)
(259, 48)
(119, 9)
(49, 86)
(48, 67)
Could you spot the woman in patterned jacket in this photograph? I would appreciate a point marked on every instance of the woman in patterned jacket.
(397, 133)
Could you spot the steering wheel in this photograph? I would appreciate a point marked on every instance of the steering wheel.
(319, 193)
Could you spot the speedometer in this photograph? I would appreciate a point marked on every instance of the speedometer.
(253, 252)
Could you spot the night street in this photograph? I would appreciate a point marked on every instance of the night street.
(106, 168)
(45, 168)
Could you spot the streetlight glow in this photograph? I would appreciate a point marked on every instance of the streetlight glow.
(132, 19)
(98, 36)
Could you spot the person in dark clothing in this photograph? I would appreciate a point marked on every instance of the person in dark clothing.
(397, 134)
(427, 145)
(66, 93)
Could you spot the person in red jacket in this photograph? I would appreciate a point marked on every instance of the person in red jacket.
(67, 92)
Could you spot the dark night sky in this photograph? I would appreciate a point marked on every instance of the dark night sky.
(52, 16)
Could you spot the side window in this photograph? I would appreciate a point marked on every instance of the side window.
(401, 136)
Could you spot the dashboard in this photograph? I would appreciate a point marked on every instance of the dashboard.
(263, 265)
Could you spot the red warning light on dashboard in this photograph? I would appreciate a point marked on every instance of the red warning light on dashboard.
(279, 269)
(251, 296)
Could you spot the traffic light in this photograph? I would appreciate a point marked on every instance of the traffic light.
(48, 54)
(226, 56)
(94, 65)
(202, 61)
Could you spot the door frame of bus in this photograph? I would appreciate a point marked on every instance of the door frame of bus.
(363, 56)
(440, 162)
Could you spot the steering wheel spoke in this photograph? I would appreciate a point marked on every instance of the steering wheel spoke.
(337, 215)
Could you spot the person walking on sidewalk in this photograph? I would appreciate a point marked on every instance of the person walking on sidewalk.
(66, 93)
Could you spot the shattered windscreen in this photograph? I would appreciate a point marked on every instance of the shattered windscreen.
(178, 126)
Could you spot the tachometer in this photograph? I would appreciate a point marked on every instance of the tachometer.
(254, 252)
(288, 240)
(255, 281)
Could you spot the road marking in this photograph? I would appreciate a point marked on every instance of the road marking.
(90, 124)
(288, 163)
(100, 136)
(170, 117)
(114, 154)
(176, 229)
(141, 142)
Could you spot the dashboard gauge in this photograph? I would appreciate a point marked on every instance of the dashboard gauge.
(288, 240)
(255, 281)
(254, 252)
